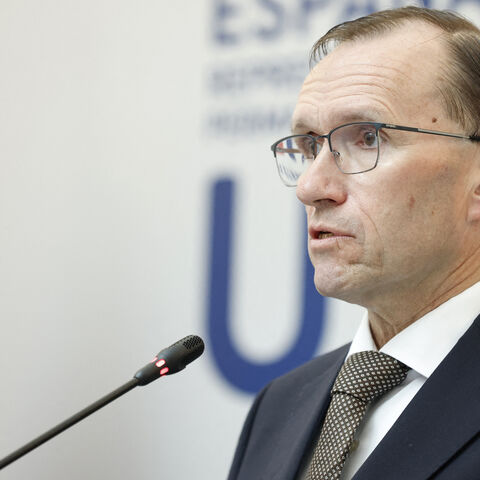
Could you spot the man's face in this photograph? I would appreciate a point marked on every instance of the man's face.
(402, 226)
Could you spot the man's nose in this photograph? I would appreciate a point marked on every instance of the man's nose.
(323, 180)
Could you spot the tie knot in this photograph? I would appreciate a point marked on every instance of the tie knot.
(368, 375)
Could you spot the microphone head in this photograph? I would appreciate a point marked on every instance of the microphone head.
(181, 353)
(171, 359)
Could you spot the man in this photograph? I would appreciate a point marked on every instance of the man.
(385, 155)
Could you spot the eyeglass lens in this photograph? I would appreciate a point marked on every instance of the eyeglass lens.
(355, 149)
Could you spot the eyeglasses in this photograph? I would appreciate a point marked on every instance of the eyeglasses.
(355, 148)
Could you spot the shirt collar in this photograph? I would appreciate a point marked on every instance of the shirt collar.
(425, 343)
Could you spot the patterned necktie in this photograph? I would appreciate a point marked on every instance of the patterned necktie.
(363, 377)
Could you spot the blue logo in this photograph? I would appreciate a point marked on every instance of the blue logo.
(243, 373)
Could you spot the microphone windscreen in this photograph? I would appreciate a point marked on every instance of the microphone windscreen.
(171, 359)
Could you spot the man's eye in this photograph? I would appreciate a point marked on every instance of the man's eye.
(370, 139)
(305, 146)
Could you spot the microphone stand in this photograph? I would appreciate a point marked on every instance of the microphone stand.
(168, 361)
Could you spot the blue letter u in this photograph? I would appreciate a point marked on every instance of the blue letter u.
(239, 371)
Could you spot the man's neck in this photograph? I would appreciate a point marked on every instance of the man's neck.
(386, 323)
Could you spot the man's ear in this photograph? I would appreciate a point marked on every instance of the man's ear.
(474, 205)
(473, 213)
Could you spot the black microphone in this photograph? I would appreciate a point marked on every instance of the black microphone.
(168, 361)
(171, 360)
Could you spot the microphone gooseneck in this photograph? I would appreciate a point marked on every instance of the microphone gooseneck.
(169, 360)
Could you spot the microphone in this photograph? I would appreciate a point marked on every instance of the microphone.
(167, 362)
(171, 360)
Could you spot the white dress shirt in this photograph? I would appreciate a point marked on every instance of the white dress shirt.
(422, 346)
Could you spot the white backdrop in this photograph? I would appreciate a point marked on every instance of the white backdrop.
(116, 119)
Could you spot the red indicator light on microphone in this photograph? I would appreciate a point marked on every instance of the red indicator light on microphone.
(164, 371)
(160, 363)
(154, 360)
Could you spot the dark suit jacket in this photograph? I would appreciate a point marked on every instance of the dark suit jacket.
(437, 435)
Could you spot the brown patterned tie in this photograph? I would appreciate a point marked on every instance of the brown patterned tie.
(363, 377)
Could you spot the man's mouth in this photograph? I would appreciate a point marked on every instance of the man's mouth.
(318, 234)
(322, 235)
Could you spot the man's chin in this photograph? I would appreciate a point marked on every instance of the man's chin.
(335, 285)
(330, 289)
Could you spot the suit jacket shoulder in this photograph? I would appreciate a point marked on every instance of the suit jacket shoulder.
(283, 419)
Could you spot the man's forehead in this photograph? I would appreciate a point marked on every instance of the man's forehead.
(376, 75)
(415, 44)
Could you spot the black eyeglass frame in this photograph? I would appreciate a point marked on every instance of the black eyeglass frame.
(378, 126)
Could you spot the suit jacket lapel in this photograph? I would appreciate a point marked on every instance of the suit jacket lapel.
(440, 419)
(311, 402)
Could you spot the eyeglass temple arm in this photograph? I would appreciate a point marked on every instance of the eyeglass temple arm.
(433, 132)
